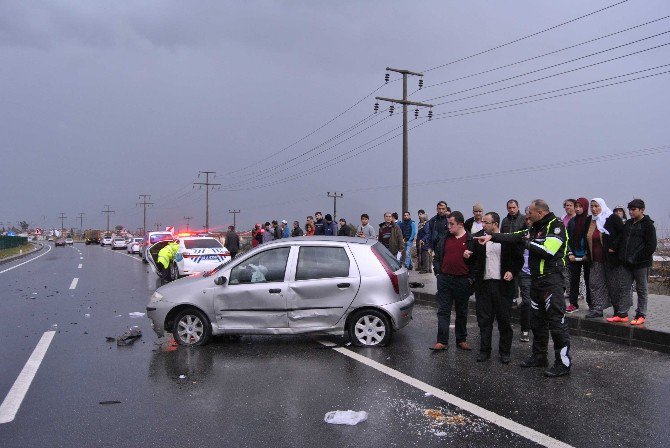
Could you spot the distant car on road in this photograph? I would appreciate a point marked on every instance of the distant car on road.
(119, 243)
(92, 237)
(69, 241)
(329, 285)
(134, 245)
(60, 242)
(106, 240)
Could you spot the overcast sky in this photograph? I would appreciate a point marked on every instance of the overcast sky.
(101, 101)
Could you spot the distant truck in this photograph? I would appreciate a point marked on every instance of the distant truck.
(92, 237)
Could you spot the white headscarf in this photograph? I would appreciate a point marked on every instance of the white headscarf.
(605, 213)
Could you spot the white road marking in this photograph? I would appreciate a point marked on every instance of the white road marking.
(499, 420)
(74, 283)
(79, 267)
(81, 258)
(130, 256)
(35, 258)
(10, 406)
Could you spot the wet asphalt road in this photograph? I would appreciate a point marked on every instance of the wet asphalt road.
(275, 390)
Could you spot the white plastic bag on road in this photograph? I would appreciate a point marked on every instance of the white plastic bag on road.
(345, 417)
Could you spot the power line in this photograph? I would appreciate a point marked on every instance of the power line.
(188, 222)
(234, 212)
(544, 54)
(551, 66)
(254, 178)
(551, 97)
(525, 37)
(308, 134)
(564, 88)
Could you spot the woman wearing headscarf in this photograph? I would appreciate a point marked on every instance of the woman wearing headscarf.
(577, 256)
(602, 237)
(621, 212)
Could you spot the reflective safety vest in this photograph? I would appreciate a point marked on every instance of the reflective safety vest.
(166, 254)
(547, 244)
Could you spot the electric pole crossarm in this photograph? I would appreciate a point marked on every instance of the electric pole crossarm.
(405, 102)
(404, 72)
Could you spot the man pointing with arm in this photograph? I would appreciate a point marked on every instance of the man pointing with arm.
(546, 242)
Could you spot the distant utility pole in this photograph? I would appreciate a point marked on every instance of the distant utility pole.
(207, 184)
(62, 219)
(335, 195)
(108, 211)
(81, 221)
(405, 141)
(145, 204)
(158, 226)
(234, 212)
(188, 221)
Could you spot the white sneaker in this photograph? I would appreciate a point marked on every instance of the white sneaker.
(524, 337)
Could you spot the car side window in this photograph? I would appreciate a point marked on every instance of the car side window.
(322, 262)
(265, 267)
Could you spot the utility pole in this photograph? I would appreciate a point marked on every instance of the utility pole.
(335, 195)
(158, 225)
(81, 221)
(145, 204)
(62, 219)
(405, 141)
(207, 184)
(234, 212)
(188, 221)
(108, 211)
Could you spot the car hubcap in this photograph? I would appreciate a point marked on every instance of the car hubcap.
(190, 329)
(370, 330)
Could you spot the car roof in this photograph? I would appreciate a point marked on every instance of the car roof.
(324, 239)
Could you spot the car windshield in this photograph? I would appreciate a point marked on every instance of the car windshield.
(159, 237)
(137, 240)
(120, 239)
(202, 243)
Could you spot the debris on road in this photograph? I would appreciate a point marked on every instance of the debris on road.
(110, 338)
(345, 417)
(87, 315)
(136, 314)
(181, 377)
(129, 337)
(110, 402)
(440, 418)
(416, 285)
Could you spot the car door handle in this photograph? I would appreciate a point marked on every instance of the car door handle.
(275, 290)
(343, 285)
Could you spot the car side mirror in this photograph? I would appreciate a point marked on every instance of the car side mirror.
(220, 280)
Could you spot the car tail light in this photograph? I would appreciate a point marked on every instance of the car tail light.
(225, 254)
(392, 275)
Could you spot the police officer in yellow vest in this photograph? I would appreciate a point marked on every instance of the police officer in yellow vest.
(546, 242)
(165, 257)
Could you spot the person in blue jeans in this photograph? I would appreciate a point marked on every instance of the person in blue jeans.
(408, 228)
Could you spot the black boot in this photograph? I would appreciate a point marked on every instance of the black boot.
(558, 369)
(534, 362)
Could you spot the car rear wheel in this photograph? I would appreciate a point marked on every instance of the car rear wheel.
(370, 328)
(191, 327)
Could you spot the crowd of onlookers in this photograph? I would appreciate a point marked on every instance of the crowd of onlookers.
(536, 254)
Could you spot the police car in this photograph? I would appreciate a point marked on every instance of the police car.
(195, 254)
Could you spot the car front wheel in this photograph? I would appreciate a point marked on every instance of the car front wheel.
(191, 327)
(370, 328)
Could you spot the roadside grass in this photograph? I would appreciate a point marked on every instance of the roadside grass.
(4, 253)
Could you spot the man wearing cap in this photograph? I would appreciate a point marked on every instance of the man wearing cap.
(285, 232)
(475, 223)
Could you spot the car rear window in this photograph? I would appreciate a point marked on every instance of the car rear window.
(159, 237)
(202, 243)
(322, 262)
(392, 261)
(119, 239)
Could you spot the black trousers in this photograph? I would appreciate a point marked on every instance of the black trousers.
(492, 303)
(575, 276)
(452, 291)
(548, 316)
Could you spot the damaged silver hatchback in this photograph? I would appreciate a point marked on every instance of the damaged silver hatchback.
(329, 285)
